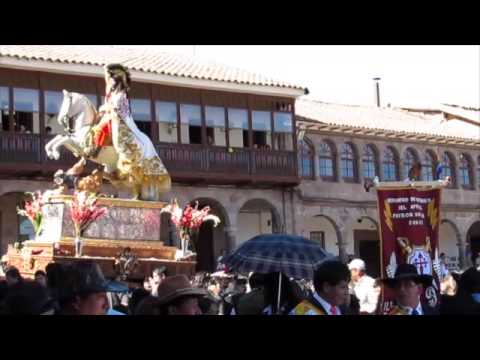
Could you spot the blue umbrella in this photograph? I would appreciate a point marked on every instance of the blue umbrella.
(291, 255)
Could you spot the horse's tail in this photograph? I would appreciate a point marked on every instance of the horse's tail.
(154, 186)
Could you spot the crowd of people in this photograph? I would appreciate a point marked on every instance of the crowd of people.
(80, 288)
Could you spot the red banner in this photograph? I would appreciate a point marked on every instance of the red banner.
(409, 223)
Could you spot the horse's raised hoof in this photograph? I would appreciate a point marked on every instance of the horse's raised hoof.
(56, 155)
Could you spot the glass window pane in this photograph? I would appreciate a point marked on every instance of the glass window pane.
(141, 110)
(25, 100)
(191, 123)
(237, 119)
(190, 114)
(261, 120)
(53, 102)
(238, 127)
(215, 116)
(93, 99)
(4, 98)
(26, 109)
(166, 113)
(262, 135)
(215, 119)
(283, 122)
(4, 105)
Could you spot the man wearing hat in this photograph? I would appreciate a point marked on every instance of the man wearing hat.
(363, 287)
(176, 296)
(83, 289)
(408, 286)
(466, 300)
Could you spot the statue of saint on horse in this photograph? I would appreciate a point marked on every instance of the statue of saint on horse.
(111, 138)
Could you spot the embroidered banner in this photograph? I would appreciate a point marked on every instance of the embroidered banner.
(409, 223)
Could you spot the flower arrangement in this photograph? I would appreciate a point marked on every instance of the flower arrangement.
(84, 211)
(33, 210)
(188, 220)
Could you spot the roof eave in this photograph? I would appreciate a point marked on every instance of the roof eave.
(143, 76)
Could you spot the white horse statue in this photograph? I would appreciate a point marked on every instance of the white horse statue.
(78, 109)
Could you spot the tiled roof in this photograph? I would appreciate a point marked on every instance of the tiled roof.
(385, 119)
(141, 59)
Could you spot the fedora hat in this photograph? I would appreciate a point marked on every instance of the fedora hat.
(177, 286)
(407, 272)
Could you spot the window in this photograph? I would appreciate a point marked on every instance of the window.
(142, 115)
(428, 167)
(369, 162)
(262, 129)
(389, 165)
(26, 113)
(166, 113)
(465, 171)
(318, 236)
(238, 127)
(191, 123)
(326, 161)
(348, 162)
(448, 169)
(283, 127)
(4, 107)
(305, 159)
(53, 101)
(408, 162)
(215, 120)
(93, 99)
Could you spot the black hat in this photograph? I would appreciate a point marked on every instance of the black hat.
(407, 272)
(469, 280)
(86, 277)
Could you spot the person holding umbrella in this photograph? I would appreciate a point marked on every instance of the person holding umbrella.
(331, 291)
(286, 256)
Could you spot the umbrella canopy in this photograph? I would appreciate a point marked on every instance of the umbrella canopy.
(291, 255)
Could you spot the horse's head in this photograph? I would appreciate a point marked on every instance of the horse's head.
(72, 107)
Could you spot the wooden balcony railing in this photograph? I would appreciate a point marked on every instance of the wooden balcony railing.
(180, 159)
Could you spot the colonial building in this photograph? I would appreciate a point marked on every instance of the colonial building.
(227, 137)
(343, 145)
(245, 145)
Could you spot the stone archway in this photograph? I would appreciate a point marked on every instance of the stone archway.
(257, 216)
(366, 243)
(324, 229)
(450, 243)
(212, 241)
(473, 240)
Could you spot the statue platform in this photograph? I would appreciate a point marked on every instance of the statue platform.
(128, 224)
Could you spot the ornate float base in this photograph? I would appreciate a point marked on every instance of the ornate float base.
(128, 224)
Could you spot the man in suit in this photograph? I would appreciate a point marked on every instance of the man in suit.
(331, 291)
(408, 286)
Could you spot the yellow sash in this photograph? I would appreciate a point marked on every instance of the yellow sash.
(306, 306)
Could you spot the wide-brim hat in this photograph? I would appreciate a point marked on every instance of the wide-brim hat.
(407, 272)
(177, 286)
(469, 280)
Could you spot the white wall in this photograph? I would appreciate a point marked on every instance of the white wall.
(185, 133)
(251, 224)
(448, 244)
(220, 138)
(236, 137)
(321, 224)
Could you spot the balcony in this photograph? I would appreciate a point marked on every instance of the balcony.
(23, 155)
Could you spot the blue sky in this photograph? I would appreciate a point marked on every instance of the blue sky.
(411, 75)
